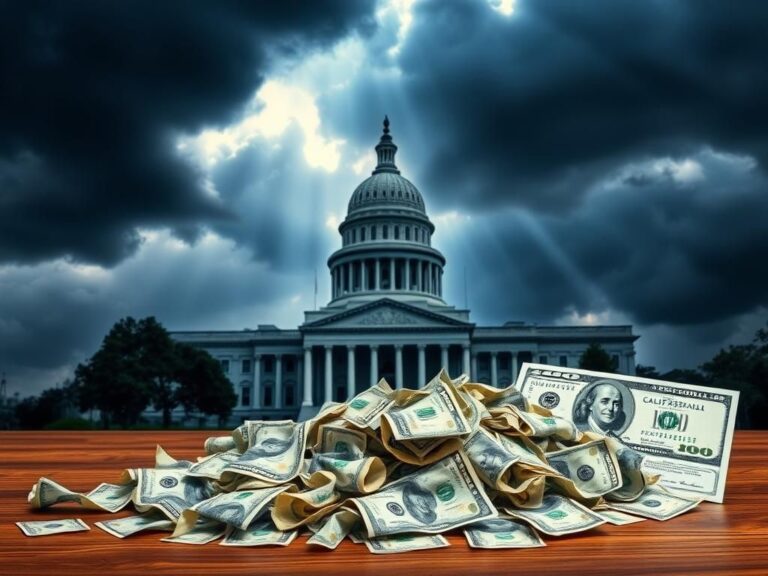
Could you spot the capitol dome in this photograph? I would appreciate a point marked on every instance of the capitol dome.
(386, 239)
(385, 187)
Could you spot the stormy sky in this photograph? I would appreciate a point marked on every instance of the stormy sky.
(584, 163)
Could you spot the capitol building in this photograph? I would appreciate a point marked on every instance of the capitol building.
(387, 318)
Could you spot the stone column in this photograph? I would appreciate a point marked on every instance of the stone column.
(422, 365)
(391, 273)
(278, 380)
(351, 276)
(363, 276)
(465, 359)
(398, 366)
(494, 370)
(513, 360)
(474, 374)
(257, 381)
(307, 400)
(350, 372)
(407, 273)
(328, 373)
(444, 356)
(378, 275)
(419, 281)
(374, 365)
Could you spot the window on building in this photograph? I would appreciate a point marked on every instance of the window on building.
(407, 233)
(245, 396)
(224, 366)
(354, 235)
(269, 364)
(384, 232)
(268, 396)
(290, 364)
(563, 360)
(362, 234)
(246, 366)
(290, 395)
(397, 232)
(543, 359)
(373, 232)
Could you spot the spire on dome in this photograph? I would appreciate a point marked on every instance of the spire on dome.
(385, 150)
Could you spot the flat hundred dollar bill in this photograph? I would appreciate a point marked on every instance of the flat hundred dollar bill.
(683, 432)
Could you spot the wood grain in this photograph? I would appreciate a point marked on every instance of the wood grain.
(713, 539)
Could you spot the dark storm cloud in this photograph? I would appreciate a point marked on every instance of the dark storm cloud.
(94, 94)
(533, 108)
(661, 244)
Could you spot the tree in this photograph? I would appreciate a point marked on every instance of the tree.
(113, 380)
(596, 358)
(744, 368)
(203, 387)
(647, 371)
(158, 363)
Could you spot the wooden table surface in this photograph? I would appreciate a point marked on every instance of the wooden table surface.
(731, 538)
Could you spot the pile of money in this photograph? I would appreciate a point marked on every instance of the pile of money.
(391, 469)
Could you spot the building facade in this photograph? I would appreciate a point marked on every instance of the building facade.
(387, 318)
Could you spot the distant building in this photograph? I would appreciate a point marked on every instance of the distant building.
(387, 318)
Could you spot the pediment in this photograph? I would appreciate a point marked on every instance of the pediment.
(386, 313)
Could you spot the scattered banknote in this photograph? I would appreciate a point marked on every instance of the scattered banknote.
(434, 415)
(683, 431)
(237, 509)
(444, 495)
(657, 504)
(109, 497)
(259, 533)
(365, 409)
(591, 469)
(170, 491)
(122, 527)
(558, 515)
(617, 518)
(49, 527)
(399, 543)
(204, 532)
(335, 528)
(502, 533)
(275, 454)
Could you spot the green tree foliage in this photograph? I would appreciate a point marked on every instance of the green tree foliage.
(138, 364)
(744, 368)
(596, 358)
(203, 387)
(114, 380)
(158, 363)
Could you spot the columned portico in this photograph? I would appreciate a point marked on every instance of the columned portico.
(422, 364)
(444, 356)
(398, 366)
(350, 371)
(307, 400)
(328, 373)
(278, 381)
(374, 365)
(514, 366)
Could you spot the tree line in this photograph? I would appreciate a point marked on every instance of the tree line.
(138, 365)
